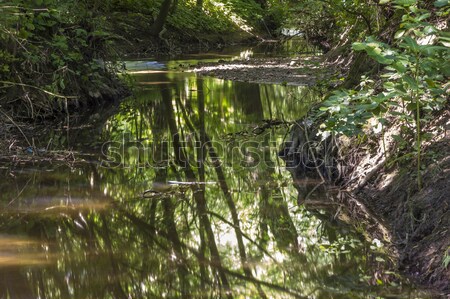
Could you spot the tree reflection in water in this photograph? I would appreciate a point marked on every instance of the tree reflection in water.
(233, 231)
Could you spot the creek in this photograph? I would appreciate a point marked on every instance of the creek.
(179, 192)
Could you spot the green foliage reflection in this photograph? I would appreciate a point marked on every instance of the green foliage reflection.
(233, 231)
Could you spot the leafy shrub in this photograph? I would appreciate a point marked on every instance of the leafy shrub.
(52, 54)
(414, 81)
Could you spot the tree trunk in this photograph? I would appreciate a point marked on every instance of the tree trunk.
(158, 25)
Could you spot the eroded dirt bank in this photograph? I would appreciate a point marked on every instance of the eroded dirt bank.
(418, 220)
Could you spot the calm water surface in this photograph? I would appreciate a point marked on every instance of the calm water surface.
(181, 195)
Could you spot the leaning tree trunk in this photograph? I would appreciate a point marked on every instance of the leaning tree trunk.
(158, 25)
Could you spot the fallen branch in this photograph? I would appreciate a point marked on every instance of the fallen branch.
(38, 88)
(16, 125)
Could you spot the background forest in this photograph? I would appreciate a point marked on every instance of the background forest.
(57, 48)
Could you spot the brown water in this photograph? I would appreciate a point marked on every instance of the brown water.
(181, 194)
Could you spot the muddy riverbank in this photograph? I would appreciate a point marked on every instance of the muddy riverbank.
(419, 220)
(289, 71)
(414, 223)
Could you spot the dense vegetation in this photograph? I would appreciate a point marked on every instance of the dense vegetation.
(53, 52)
(412, 83)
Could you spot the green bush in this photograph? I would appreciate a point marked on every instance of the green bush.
(52, 53)
(413, 84)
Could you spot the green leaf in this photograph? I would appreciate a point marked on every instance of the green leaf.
(446, 69)
(441, 3)
(30, 26)
(399, 33)
(429, 30)
(430, 83)
(81, 32)
(445, 41)
(100, 33)
(359, 46)
(411, 82)
(446, 261)
(400, 89)
(411, 43)
(378, 57)
(405, 2)
(399, 67)
(379, 259)
(432, 50)
(398, 138)
(423, 16)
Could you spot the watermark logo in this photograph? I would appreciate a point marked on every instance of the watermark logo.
(240, 153)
